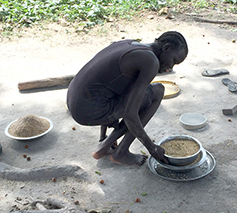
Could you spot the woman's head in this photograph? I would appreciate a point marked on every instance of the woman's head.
(171, 48)
(174, 38)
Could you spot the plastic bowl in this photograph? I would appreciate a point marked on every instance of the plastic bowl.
(181, 161)
(193, 121)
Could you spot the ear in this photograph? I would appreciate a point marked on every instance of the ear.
(166, 47)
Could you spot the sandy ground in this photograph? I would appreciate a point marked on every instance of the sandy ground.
(65, 154)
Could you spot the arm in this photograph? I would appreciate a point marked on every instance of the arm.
(144, 65)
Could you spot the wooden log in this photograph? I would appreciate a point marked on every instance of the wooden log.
(215, 21)
(45, 83)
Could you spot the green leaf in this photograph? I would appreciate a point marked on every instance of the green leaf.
(97, 172)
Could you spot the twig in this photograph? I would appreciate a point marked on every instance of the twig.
(117, 203)
(136, 191)
(193, 14)
(215, 21)
(18, 201)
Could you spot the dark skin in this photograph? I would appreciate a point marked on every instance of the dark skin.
(144, 65)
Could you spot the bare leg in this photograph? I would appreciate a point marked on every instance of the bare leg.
(122, 155)
(104, 146)
(103, 135)
(103, 129)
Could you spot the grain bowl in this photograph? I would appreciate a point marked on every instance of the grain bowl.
(181, 150)
(28, 127)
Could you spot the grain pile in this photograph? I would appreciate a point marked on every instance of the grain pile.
(28, 126)
(180, 148)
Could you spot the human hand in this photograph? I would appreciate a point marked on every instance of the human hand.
(158, 153)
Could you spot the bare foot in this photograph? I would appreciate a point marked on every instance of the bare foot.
(128, 159)
(103, 149)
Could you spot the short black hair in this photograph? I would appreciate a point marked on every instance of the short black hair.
(175, 38)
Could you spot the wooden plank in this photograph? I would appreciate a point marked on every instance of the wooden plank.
(45, 83)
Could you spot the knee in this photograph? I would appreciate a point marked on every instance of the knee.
(158, 90)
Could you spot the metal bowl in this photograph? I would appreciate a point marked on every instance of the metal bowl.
(181, 161)
(193, 121)
(199, 161)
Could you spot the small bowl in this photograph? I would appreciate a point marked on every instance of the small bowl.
(193, 121)
(181, 161)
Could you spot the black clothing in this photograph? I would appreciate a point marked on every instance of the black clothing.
(97, 94)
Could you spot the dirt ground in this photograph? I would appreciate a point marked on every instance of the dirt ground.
(63, 173)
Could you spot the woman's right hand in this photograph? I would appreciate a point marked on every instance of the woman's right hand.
(158, 152)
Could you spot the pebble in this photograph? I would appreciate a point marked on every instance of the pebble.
(150, 17)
